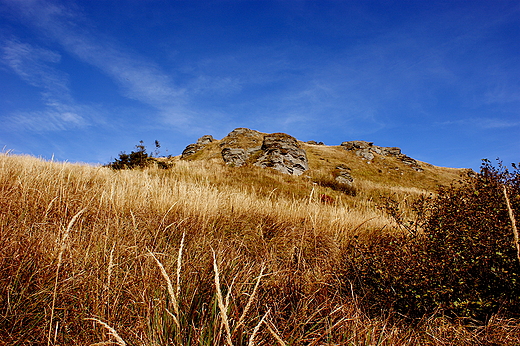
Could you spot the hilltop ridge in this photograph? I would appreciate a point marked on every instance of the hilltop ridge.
(347, 163)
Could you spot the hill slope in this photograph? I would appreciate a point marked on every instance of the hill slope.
(368, 169)
(202, 253)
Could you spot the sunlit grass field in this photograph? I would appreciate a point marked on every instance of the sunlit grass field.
(199, 254)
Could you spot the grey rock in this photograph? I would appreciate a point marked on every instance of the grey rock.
(344, 176)
(253, 150)
(411, 162)
(194, 148)
(355, 145)
(205, 139)
(367, 150)
(363, 149)
(282, 152)
(347, 180)
(365, 153)
(392, 151)
(242, 131)
(191, 149)
(234, 156)
(241, 138)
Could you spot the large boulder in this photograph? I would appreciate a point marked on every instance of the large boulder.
(356, 145)
(206, 139)
(282, 152)
(235, 157)
(196, 147)
(242, 138)
(343, 175)
(190, 150)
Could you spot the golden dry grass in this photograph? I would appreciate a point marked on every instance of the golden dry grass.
(88, 254)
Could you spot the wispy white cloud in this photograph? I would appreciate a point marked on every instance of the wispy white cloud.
(138, 77)
(482, 123)
(35, 65)
(391, 78)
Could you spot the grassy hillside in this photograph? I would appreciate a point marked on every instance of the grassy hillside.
(202, 254)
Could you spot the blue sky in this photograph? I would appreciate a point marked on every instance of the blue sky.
(83, 80)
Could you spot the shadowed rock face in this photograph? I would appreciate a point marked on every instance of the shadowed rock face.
(238, 146)
(234, 156)
(205, 139)
(282, 152)
(278, 151)
(193, 148)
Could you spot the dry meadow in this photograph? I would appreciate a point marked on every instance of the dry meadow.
(197, 254)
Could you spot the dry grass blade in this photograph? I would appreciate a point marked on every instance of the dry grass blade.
(277, 337)
(257, 328)
(250, 301)
(63, 246)
(513, 223)
(111, 331)
(220, 299)
(179, 265)
(110, 266)
(170, 290)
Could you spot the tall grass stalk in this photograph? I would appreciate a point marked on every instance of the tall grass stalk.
(171, 292)
(257, 328)
(513, 223)
(220, 299)
(249, 301)
(63, 246)
(111, 331)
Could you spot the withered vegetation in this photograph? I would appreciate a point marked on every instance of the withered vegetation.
(204, 254)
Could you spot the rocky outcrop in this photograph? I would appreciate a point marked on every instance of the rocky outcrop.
(314, 143)
(411, 162)
(194, 148)
(285, 153)
(367, 150)
(239, 145)
(282, 152)
(206, 139)
(234, 156)
(343, 175)
(362, 148)
(242, 138)
(278, 151)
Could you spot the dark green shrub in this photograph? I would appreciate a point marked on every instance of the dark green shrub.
(461, 258)
(137, 158)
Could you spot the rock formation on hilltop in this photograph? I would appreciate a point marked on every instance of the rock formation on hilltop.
(239, 145)
(367, 150)
(278, 150)
(194, 148)
(282, 152)
(285, 153)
